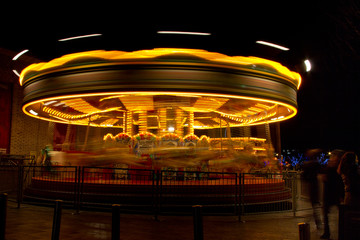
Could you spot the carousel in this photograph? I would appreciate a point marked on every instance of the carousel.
(168, 109)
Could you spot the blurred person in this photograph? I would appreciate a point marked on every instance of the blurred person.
(333, 191)
(288, 165)
(46, 157)
(311, 169)
(349, 171)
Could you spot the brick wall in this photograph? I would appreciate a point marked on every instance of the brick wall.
(27, 133)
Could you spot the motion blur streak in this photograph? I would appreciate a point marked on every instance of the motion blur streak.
(78, 37)
(19, 54)
(185, 33)
(273, 45)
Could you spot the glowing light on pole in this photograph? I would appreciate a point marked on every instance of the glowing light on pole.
(307, 65)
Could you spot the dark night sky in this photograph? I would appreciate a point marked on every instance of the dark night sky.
(328, 99)
(327, 33)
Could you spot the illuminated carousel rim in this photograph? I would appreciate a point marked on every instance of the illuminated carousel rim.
(183, 72)
(119, 56)
(27, 106)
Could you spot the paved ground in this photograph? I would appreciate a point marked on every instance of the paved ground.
(35, 222)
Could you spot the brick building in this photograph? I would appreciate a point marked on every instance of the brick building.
(19, 134)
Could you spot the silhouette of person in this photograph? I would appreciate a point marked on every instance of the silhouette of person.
(311, 169)
(349, 171)
(333, 190)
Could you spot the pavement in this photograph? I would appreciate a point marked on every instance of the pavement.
(35, 222)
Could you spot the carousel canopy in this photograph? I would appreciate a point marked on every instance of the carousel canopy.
(192, 87)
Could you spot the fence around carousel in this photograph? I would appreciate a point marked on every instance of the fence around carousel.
(152, 191)
(268, 192)
(215, 191)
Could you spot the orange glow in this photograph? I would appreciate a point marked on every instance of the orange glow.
(270, 113)
(204, 137)
(113, 56)
(170, 136)
(69, 117)
(119, 136)
(223, 101)
(108, 136)
(191, 138)
(145, 136)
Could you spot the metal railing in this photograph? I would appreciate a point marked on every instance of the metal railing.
(267, 192)
(133, 188)
(9, 179)
(15, 160)
(152, 191)
(209, 189)
(43, 183)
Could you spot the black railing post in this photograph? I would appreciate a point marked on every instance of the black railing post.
(159, 189)
(3, 209)
(56, 220)
(20, 185)
(237, 195)
(156, 193)
(198, 222)
(341, 224)
(78, 187)
(241, 195)
(115, 223)
(81, 185)
(304, 231)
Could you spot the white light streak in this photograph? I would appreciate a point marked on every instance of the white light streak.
(184, 33)
(171, 129)
(33, 112)
(19, 54)
(16, 73)
(273, 45)
(48, 103)
(59, 104)
(307, 65)
(78, 37)
(277, 118)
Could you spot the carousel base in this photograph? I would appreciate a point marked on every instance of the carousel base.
(219, 195)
